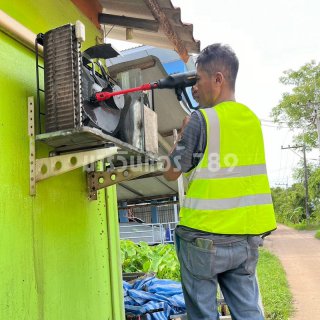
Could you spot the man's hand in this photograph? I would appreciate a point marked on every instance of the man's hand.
(171, 173)
(184, 124)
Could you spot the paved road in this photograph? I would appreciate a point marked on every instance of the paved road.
(299, 253)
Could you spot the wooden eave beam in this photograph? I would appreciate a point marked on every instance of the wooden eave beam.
(128, 22)
(90, 9)
(167, 28)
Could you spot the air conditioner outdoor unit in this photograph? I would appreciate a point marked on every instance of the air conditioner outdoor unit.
(72, 120)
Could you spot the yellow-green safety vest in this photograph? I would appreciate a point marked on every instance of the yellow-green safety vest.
(228, 191)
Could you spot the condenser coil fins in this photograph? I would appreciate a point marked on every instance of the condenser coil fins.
(62, 79)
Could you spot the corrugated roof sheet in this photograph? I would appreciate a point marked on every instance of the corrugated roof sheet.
(172, 32)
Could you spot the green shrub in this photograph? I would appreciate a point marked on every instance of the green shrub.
(141, 257)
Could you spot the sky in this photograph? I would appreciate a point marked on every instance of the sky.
(268, 37)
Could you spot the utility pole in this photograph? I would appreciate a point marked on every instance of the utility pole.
(305, 175)
(306, 179)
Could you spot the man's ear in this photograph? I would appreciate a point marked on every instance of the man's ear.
(219, 78)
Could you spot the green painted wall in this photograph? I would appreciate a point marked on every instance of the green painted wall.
(59, 251)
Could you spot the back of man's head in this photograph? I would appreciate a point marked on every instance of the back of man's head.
(219, 58)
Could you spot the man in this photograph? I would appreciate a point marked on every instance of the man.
(228, 203)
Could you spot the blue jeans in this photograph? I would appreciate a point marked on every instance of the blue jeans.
(233, 266)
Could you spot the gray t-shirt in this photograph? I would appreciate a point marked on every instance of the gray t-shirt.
(185, 157)
(192, 144)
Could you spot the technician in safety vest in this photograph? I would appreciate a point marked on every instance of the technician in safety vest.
(228, 207)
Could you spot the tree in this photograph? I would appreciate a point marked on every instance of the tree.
(295, 108)
(298, 172)
(289, 203)
(314, 189)
(314, 185)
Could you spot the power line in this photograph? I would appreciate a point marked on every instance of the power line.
(281, 170)
(270, 120)
(283, 184)
(278, 127)
(272, 124)
(296, 153)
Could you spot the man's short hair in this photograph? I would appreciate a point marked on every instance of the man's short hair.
(219, 58)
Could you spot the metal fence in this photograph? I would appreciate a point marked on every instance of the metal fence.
(165, 213)
(152, 233)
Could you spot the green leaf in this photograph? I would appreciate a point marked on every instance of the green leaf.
(141, 257)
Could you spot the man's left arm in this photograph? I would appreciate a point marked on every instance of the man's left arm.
(180, 158)
(171, 172)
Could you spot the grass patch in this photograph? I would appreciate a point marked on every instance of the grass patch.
(276, 296)
(317, 235)
(306, 226)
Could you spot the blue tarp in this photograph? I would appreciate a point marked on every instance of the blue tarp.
(150, 294)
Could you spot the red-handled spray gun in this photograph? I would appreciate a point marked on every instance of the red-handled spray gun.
(178, 81)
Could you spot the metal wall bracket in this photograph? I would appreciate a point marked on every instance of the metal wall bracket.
(32, 148)
(44, 168)
(100, 180)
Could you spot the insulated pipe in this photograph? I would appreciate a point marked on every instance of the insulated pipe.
(17, 31)
(164, 143)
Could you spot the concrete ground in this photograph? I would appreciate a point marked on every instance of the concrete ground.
(299, 253)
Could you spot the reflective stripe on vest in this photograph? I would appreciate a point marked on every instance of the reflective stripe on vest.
(230, 185)
(240, 171)
(229, 203)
